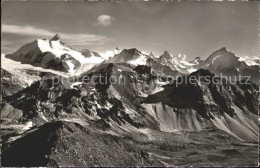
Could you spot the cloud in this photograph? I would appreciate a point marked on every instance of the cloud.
(105, 20)
(72, 39)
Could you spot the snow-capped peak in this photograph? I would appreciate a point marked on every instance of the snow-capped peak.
(53, 53)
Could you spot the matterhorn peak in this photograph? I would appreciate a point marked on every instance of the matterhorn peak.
(55, 38)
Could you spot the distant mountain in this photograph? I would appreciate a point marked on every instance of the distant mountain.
(227, 63)
(136, 57)
(54, 54)
(178, 63)
(166, 56)
(221, 59)
(131, 56)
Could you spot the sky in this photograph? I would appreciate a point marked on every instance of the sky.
(194, 29)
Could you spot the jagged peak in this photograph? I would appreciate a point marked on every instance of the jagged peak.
(55, 38)
(223, 49)
(166, 55)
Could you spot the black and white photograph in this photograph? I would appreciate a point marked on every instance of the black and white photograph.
(155, 83)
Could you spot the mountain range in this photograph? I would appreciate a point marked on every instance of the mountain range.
(149, 119)
(56, 55)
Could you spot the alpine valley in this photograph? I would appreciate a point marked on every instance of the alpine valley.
(148, 119)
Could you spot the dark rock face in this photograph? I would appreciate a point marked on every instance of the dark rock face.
(223, 92)
(55, 38)
(211, 97)
(10, 84)
(142, 69)
(166, 55)
(55, 141)
(63, 63)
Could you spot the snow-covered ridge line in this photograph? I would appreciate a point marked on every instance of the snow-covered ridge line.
(250, 61)
(54, 54)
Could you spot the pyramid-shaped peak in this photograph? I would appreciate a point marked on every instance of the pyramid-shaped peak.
(223, 49)
(56, 37)
(151, 54)
(166, 55)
